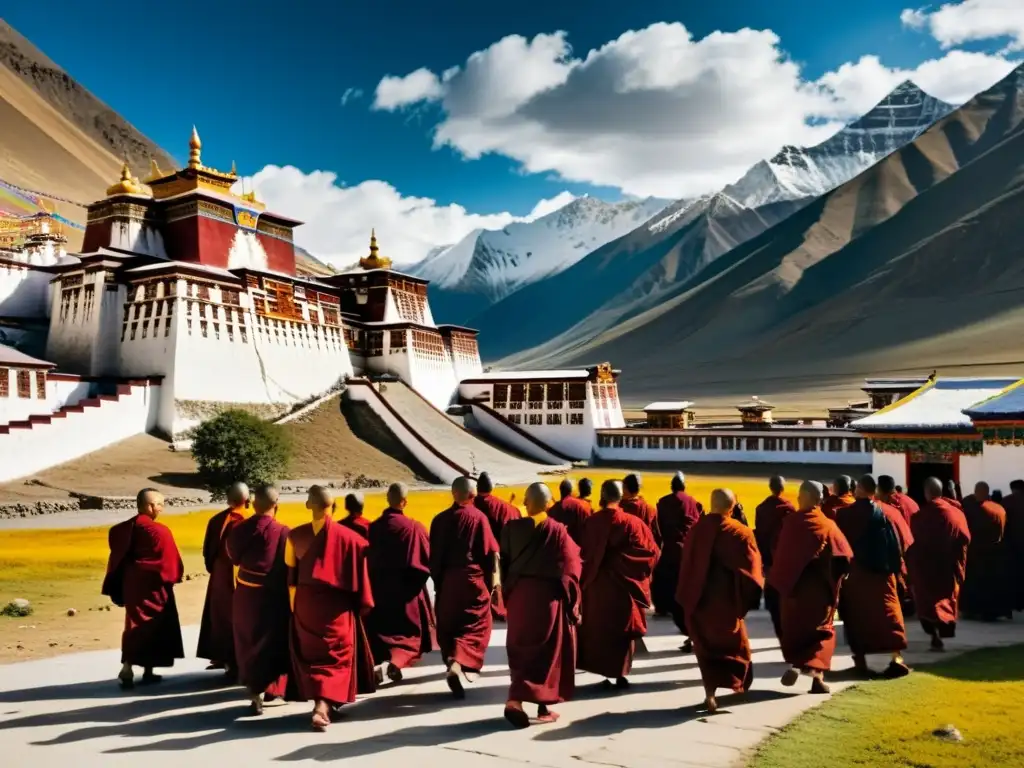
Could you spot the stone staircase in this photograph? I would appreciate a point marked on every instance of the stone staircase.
(64, 411)
(456, 443)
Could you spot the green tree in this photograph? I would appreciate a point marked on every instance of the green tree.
(237, 446)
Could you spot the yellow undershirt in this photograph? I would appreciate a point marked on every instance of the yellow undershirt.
(292, 562)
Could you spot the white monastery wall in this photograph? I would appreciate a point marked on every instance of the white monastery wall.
(501, 433)
(24, 291)
(60, 391)
(638, 447)
(134, 235)
(892, 464)
(246, 251)
(972, 470)
(1001, 464)
(75, 323)
(24, 451)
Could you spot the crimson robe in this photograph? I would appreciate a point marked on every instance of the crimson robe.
(260, 608)
(870, 599)
(1014, 506)
(831, 506)
(216, 635)
(986, 588)
(571, 512)
(676, 514)
(720, 579)
(810, 560)
(639, 507)
(143, 567)
(499, 512)
(331, 657)
(358, 524)
(401, 624)
(937, 562)
(462, 547)
(906, 505)
(768, 518)
(619, 554)
(541, 569)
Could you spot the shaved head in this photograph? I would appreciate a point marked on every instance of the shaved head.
(866, 486)
(611, 492)
(631, 483)
(678, 483)
(843, 485)
(319, 500)
(811, 493)
(932, 488)
(777, 484)
(354, 504)
(238, 495)
(150, 502)
(464, 489)
(398, 494)
(722, 501)
(586, 488)
(484, 484)
(981, 490)
(265, 499)
(886, 484)
(537, 498)
(565, 488)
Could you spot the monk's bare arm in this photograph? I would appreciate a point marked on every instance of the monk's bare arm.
(291, 562)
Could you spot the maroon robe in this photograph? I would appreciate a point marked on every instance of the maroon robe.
(676, 514)
(260, 609)
(143, 568)
(541, 570)
(358, 524)
(937, 562)
(571, 512)
(870, 599)
(810, 560)
(331, 657)
(638, 506)
(401, 624)
(906, 505)
(499, 512)
(768, 519)
(462, 548)
(1014, 505)
(216, 636)
(986, 587)
(619, 554)
(831, 506)
(720, 579)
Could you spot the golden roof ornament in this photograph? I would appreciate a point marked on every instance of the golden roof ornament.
(154, 170)
(195, 147)
(234, 169)
(374, 260)
(127, 185)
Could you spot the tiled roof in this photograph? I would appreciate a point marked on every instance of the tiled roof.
(12, 358)
(936, 406)
(681, 405)
(1008, 403)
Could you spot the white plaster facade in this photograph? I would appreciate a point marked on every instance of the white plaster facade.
(24, 290)
(892, 464)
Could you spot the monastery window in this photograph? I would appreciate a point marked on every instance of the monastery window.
(728, 443)
(5, 382)
(516, 395)
(669, 443)
(575, 418)
(577, 395)
(771, 444)
(189, 324)
(501, 395)
(835, 444)
(603, 441)
(397, 341)
(24, 384)
(299, 291)
(148, 311)
(252, 281)
(793, 444)
(203, 329)
(135, 328)
(231, 298)
(167, 327)
(753, 443)
(853, 445)
(375, 344)
(171, 288)
(711, 443)
(535, 395)
(810, 443)
(636, 441)
(654, 443)
(696, 443)
(242, 333)
(203, 292)
(145, 328)
(536, 419)
(554, 419)
(556, 394)
(150, 291)
(618, 441)
(515, 418)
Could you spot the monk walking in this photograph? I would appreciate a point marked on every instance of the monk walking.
(887, 493)
(464, 567)
(586, 489)
(216, 636)
(143, 568)
(498, 512)
(986, 588)
(260, 607)
(870, 602)
(768, 518)
(635, 504)
(937, 562)
(810, 561)
(842, 496)
(330, 591)
(541, 569)
(676, 513)
(1014, 506)
(570, 511)
(619, 554)
(401, 624)
(719, 581)
(354, 504)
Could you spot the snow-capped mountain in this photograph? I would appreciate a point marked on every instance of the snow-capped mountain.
(803, 172)
(489, 265)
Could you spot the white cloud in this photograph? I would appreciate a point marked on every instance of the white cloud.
(955, 23)
(351, 94)
(656, 111)
(337, 219)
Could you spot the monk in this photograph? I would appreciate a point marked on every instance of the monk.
(354, 504)
(768, 519)
(986, 591)
(888, 494)
(216, 636)
(842, 496)
(330, 594)
(143, 568)
(870, 602)
(676, 514)
(540, 577)
(570, 511)
(1014, 506)
(586, 489)
(937, 562)
(260, 606)
(720, 579)
(401, 624)
(635, 504)
(464, 566)
(619, 554)
(952, 494)
(810, 561)
(498, 512)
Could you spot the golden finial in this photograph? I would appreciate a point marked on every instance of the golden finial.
(154, 170)
(195, 146)
(127, 185)
(234, 168)
(374, 260)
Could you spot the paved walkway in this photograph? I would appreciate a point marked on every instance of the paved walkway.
(69, 712)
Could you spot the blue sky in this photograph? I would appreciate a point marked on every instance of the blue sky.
(264, 84)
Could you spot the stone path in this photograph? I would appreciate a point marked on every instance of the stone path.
(69, 712)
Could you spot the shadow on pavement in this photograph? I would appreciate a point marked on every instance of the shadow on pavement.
(172, 685)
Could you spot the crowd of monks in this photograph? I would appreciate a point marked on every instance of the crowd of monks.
(337, 606)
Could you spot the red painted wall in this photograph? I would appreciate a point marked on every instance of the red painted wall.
(280, 254)
(199, 240)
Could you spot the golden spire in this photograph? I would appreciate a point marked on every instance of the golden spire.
(195, 146)
(374, 260)
(127, 185)
(234, 168)
(154, 170)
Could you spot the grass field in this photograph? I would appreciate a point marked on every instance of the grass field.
(889, 724)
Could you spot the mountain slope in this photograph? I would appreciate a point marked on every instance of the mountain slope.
(486, 266)
(915, 264)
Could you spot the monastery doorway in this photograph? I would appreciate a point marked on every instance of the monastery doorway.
(922, 466)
